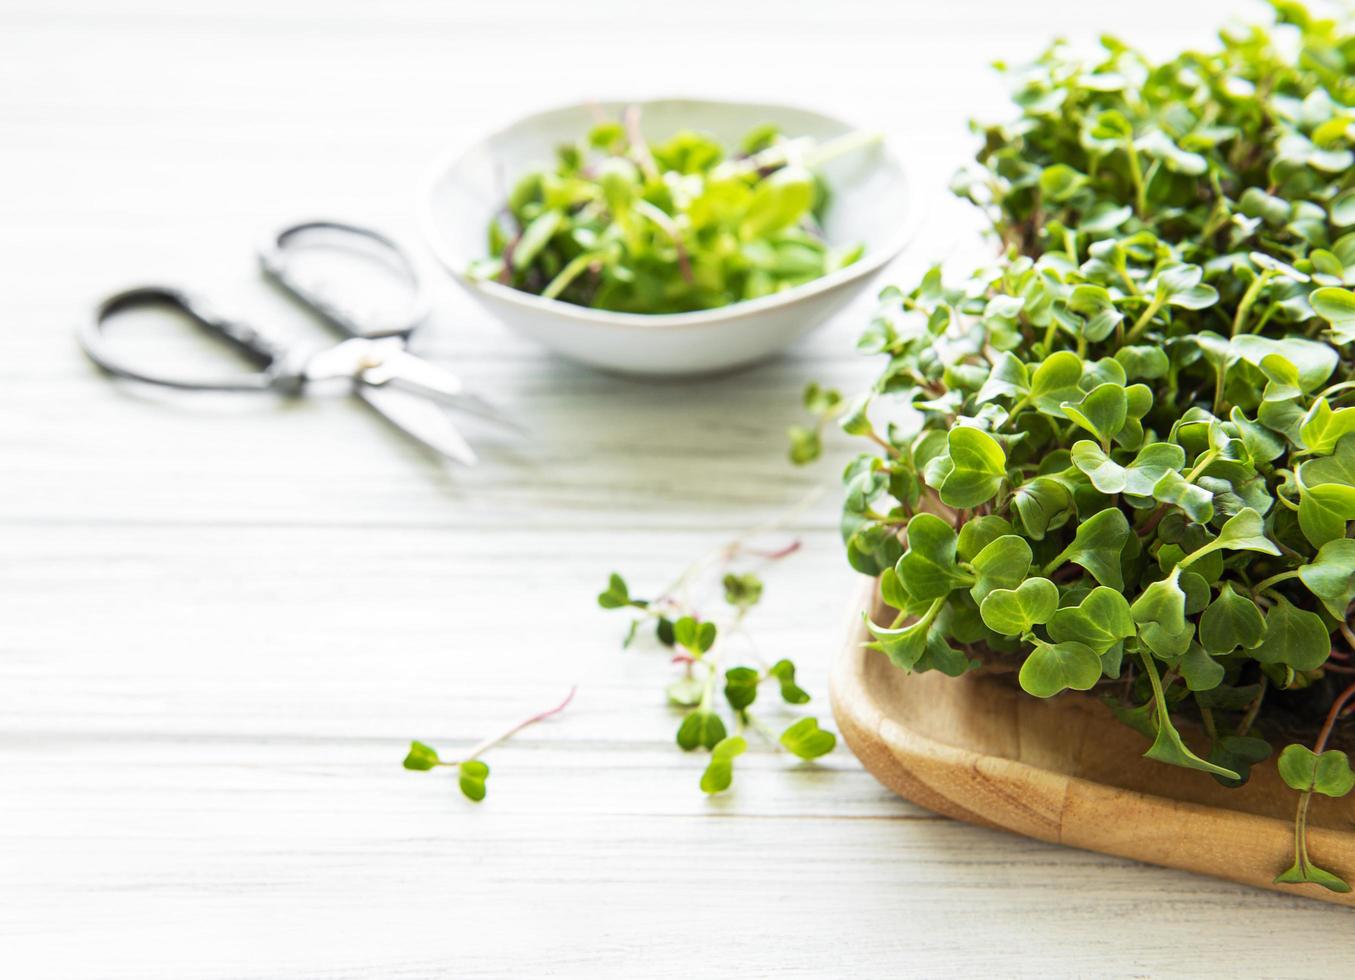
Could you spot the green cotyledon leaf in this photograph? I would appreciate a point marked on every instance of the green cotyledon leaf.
(700, 729)
(1323, 427)
(1294, 637)
(905, 645)
(1162, 603)
(741, 687)
(1043, 505)
(1054, 667)
(972, 469)
(1003, 563)
(1173, 488)
(1137, 477)
(1239, 753)
(1244, 531)
(1097, 546)
(470, 778)
(791, 693)
(1055, 382)
(421, 757)
(1231, 621)
(1328, 773)
(1101, 620)
(1102, 411)
(807, 740)
(1168, 745)
(978, 533)
(719, 773)
(1325, 510)
(1337, 307)
(1331, 575)
(697, 637)
(1199, 670)
(928, 569)
(1012, 612)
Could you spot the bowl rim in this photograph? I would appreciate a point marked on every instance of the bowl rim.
(870, 262)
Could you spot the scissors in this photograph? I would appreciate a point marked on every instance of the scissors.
(407, 390)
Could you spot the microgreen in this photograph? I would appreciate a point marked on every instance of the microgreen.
(1122, 458)
(806, 441)
(471, 771)
(619, 223)
(714, 699)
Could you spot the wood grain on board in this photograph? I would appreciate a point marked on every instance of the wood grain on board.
(1065, 770)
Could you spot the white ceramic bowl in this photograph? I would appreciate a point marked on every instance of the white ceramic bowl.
(871, 203)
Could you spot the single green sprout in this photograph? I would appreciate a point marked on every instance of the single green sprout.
(472, 772)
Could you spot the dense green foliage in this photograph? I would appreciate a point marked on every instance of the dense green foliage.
(1122, 459)
(711, 696)
(623, 225)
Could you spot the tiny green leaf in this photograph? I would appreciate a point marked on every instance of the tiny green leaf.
(1331, 575)
(471, 776)
(978, 467)
(928, 569)
(1337, 307)
(1101, 620)
(697, 637)
(1055, 667)
(1055, 382)
(1012, 612)
(616, 594)
(741, 687)
(791, 693)
(1162, 603)
(807, 740)
(719, 773)
(685, 692)
(421, 757)
(1001, 564)
(1097, 545)
(1304, 770)
(1231, 621)
(1294, 637)
(1200, 671)
(742, 591)
(1102, 411)
(1322, 427)
(1244, 531)
(700, 729)
(1197, 502)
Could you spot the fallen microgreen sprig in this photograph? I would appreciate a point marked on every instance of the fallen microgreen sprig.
(472, 772)
(714, 692)
(806, 441)
(1121, 459)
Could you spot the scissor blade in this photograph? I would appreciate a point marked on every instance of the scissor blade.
(420, 418)
(401, 369)
(399, 366)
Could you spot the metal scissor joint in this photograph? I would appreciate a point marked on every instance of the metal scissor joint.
(408, 390)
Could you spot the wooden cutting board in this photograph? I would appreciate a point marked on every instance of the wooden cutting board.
(1064, 770)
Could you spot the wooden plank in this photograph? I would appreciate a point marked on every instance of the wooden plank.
(224, 619)
(1065, 770)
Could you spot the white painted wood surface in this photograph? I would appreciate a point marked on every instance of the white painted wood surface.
(224, 619)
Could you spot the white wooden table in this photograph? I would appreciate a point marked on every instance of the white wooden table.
(224, 619)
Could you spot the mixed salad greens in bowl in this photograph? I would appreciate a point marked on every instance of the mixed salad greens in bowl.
(672, 236)
(620, 223)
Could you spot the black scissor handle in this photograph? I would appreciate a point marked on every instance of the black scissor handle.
(275, 255)
(270, 357)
